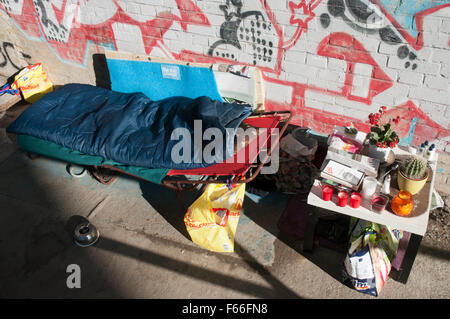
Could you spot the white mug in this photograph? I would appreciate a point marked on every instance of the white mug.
(369, 187)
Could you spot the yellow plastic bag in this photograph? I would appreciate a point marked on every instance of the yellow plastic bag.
(212, 219)
(33, 82)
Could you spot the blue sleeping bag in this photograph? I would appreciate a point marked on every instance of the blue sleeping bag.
(128, 128)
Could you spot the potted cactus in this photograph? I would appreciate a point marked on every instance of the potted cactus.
(413, 174)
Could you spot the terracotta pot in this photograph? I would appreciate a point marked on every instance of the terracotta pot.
(411, 185)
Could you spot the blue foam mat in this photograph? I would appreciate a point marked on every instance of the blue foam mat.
(162, 80)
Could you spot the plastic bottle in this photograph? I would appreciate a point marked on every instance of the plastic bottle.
(421, 150)
(431, 153)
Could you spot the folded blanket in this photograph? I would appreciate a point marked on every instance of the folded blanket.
(127, 128)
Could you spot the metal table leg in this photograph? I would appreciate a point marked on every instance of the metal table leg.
(311, 223)
(408, 259)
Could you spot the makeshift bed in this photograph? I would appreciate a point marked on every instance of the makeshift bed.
(132, 132)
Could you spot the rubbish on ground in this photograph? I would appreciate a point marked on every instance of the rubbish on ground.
(212, 219)
(76, 171)
(299, 144)
(102, 175)
(367, 263)
(33, 82)
(436, 201)
(85, 234)
(294, 175)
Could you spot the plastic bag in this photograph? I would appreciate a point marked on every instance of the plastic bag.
(33, 82)
(7, 89)
(212, 219)
(299, 144)
(367, 264)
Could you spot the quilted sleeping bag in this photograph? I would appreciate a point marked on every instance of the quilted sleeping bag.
(128, 128)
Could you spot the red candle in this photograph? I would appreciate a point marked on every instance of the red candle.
(327, 192)
(342, 198)
(355, 200)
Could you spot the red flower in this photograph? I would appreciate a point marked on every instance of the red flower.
(391, 144)
(396, 120)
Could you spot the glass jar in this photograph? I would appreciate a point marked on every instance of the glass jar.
(402, 204)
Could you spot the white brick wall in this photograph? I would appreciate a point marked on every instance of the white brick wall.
(345, 80)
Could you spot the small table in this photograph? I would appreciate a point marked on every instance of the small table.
(416, 223)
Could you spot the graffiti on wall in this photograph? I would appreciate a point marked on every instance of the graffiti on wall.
(69, 25)
(266, 34)
(8, 56)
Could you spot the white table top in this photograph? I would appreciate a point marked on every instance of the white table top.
(417, 224)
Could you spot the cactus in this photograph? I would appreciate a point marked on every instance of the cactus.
(414, 168)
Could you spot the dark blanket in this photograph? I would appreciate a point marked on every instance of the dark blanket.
(127, 128)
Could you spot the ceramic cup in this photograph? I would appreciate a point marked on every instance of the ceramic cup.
(369, 187)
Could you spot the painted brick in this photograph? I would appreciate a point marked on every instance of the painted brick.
(386, 48)
(409, 77)
(441, 55)
(428, 68)
(316, 60)
(432, 95)
(393, 62)
(337, 65)
(445, 71)
(437, 82)
(315, 85)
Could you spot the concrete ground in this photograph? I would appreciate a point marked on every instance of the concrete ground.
(145, 251)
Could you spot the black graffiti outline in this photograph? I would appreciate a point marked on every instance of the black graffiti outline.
(228, 29)
(337, 9)
(360, 12)
(49, 24)
(7, 58)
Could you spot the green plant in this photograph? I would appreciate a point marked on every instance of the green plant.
(414, 167)
(382, 135)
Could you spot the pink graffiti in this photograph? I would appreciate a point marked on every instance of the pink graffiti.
(345, 47)
(302, 24)
(415, 42)
(307, 8)
(337, 45)
(74, 49)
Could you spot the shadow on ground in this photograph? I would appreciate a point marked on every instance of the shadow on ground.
(172, 212)
(36, 239)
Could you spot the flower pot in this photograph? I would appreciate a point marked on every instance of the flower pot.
(413, 186)
(382, 154)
